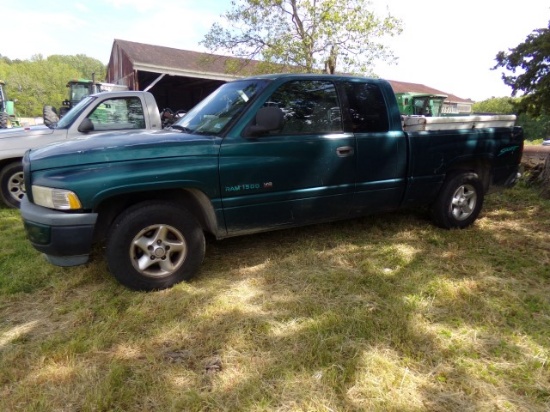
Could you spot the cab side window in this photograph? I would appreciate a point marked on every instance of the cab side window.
(368, 110)
(309, 107)
(121, 113)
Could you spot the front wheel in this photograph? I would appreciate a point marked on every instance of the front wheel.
(12, 184)
(459, 202)
(154, 245)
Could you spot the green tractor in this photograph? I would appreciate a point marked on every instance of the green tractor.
(80, 88)
(420, 104)
(7, 110)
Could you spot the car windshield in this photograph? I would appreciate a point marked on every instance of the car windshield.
(222, 106)
(72, 114)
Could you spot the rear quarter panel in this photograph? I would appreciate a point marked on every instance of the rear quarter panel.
(494, 153)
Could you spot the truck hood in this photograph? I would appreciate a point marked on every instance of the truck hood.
(15, 142)
(120, 147)
(25, 131)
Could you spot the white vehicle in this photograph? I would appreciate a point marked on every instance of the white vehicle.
(96, 113)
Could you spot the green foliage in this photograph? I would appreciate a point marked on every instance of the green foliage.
(529, 64)
(42, 81)
(382, 313)
(312, 35)
(534, 127)
(496, 105)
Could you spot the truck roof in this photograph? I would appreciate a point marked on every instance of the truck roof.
(311, 76)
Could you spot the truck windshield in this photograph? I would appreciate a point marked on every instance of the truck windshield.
(222, 106)
(79, 91)
(72, 114)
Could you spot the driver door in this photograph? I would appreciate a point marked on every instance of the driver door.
(300, 174)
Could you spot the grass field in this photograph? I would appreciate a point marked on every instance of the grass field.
(383, 313)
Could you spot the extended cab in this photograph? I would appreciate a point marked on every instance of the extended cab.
(258, 154)
(96, 113)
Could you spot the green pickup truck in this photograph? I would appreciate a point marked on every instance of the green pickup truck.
(258, 154)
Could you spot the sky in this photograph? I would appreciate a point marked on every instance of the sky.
(449, 46)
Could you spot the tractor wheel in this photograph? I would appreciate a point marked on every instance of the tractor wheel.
(50, 115)
(3, 120)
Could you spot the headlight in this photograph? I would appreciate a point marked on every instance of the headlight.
(55, 198)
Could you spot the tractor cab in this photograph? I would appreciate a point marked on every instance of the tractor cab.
(420, 104)
(80, 88)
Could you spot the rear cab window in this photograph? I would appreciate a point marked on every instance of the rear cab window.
(367, 108)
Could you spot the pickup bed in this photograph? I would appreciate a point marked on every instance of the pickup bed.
(95, 114)
(258, 154)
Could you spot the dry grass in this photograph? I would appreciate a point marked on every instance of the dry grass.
(385, 313)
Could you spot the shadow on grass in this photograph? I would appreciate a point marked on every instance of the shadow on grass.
(379, 313)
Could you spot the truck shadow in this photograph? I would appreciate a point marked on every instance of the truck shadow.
(380, 313)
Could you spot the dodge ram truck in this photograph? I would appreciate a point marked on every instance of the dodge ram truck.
(97, 113)
(258, 154)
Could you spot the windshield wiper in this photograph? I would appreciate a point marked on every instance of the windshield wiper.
(182, 128)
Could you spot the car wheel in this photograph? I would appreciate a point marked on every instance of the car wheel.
(459, 202)
(154, 245)
(12, 184)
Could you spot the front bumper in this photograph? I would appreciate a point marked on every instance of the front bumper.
(65, 238)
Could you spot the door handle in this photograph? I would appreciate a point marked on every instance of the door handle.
(344, 151)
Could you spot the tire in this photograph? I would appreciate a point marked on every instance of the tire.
(154, 245)
(4, 120)
(460, 201)
(50, 115)
(12, 184)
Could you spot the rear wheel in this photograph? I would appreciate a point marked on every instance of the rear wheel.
(3, 120)
(50, 115)
(12, 184)
(459, 202)
(154, 245)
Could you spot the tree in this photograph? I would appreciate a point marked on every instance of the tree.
(534, 128)
(86, 66)
(308, 35)
(496, 105)
(532, 59)
(42, 81)
(529, 64)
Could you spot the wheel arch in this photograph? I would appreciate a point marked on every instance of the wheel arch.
(8, 161)
(194, 200)
(479, 166)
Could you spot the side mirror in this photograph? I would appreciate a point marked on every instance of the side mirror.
(86, 126)
(268, 119)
